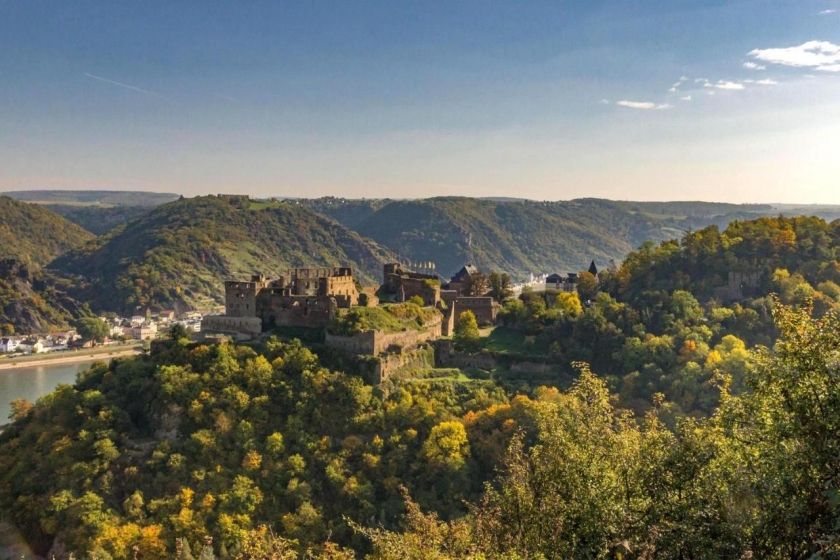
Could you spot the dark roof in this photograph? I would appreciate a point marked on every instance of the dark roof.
(592, 268)
(554, 278)
(466, 271)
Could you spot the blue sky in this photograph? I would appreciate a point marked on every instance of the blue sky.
(733, 100)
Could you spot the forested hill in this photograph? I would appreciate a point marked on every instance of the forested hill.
(523, 236)
(98, 211)
(35, 235)
(517, 236)
(179, 253)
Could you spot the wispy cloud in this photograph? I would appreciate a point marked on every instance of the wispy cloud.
(764, 82)
(124, 85)
(828, 12)
(725, 84)
(678, 84)
(817, 55)
(754, 66)
(644, 105)
(685, 98)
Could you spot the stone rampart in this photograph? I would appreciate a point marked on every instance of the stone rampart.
(375, 343)
(239, 327)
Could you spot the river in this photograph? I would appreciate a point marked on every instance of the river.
(31, 382)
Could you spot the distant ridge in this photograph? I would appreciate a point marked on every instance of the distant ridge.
(93, 197)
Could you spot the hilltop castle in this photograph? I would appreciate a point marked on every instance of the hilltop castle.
(300, 297)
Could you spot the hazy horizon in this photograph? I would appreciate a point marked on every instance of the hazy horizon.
(292, 197)
(656, 100)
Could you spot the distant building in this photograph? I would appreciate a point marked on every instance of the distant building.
(9, 344)
(563, 283)
(462, 279)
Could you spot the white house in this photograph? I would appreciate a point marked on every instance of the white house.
(9, 344)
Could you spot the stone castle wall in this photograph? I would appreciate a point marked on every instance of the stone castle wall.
(236, 326)
(375, 343)
(483, 307)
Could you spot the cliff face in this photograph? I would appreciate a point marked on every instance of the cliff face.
(32, 302)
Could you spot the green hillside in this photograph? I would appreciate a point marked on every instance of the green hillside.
(98, 219)
(180, 253)
(516, 236)
(35, 235)
(522, 236)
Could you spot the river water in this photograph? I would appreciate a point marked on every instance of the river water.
(31, 382)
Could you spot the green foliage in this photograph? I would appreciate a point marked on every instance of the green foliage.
(92, 328)
(234, 443)
(501, 286)
(180, 252)
(388, 318)
(759, 478)
(466, 330)
(96, 219)
(520, 236)
(34, 235)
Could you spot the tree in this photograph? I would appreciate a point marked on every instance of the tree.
(501, 287)
(466, 330)
(477, 285)
(93, 329)
(447, 446)
(568, 303)
(178, 332)
(587, 286)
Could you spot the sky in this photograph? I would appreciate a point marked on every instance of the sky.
(720, 100)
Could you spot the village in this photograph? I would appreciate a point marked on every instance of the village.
(120, 331)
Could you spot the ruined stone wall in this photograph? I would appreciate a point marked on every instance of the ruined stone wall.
(241, 299)
(296, 311)
(446, 356)
(483, 307)
(236, 326)
(409, 284)
(360, 343)
(343, 288)
(429, 292)
(392, 366)
(375, 343)
(739, 285)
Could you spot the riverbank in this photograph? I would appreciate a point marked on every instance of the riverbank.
(71, 356)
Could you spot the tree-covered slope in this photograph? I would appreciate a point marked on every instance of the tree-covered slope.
(34, 301)
(35, 235)
(518, 237)
(180, 253)
(99, 220)
(522, 236)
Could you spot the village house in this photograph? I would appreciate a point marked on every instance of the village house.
(9, 344)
